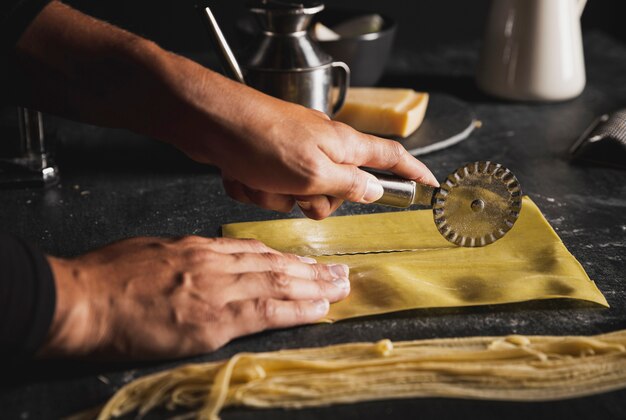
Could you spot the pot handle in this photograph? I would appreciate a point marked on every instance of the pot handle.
(343, 72)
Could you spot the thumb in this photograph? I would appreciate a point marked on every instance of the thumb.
(353, 184)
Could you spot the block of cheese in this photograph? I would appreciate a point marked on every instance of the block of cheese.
(384, 111)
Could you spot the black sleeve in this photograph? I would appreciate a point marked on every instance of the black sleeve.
(27, 298)
(15, 16)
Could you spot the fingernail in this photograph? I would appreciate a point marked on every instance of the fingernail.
(307, 260)
(373, 191)
(342, 283)
(321, 306)
(339, 270)
(304, 205)
(430, 179)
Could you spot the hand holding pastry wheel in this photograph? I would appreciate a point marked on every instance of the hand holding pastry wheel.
(475, 206)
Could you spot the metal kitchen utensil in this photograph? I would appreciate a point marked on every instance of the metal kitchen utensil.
(475, 206)
(285, 62)
(604, 142)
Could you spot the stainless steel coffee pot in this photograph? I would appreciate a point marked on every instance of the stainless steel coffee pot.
(284, 61)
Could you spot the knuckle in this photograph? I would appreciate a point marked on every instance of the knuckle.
(238, 280)
(266, 309)
(341, 129)
(276, 202)
(199, 255)
(280, 282)
(209, 313)
(324, 289)
(277, 262)
(235, 258)
(215, 241)
(317, 213)
(189, 239)
(319, 272)
(314, 170)
(156, 245)
(311, 172)
(395, 152)
(254, 244)
(319, 208)
(355, 189)
(300, 313)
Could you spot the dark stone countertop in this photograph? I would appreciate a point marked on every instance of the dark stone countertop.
(116, 185)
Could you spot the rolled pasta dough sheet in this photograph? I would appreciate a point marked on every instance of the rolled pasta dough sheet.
(398, 261)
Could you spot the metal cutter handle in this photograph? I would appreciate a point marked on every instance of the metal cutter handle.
(400, 192)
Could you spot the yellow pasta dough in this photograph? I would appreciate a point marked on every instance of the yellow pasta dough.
(516, 368)
(399, 261)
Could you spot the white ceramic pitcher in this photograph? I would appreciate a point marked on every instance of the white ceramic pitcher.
(532, 50)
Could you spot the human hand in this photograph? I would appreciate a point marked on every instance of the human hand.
(151, 298)
(273, 153)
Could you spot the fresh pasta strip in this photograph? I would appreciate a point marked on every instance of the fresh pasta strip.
(399, 261)
(514, 368)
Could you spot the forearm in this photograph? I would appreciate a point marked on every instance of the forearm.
(70, 64)
(270, 150)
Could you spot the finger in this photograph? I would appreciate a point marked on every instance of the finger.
(291, 265)
(348, 182)
(235, 190)
(252, 316)
(270, 201)
(318, 207)
(271, 284)
(361, 149)
(226, 245)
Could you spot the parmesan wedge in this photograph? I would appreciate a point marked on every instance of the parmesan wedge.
(384, 111)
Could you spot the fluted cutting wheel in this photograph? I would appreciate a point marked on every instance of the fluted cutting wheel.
(477, 204)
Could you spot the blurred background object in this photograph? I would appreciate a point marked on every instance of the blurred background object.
(604, 142)
(282, 59)
(361, 39)
(25, 158)
(421, 24)
(532, 50)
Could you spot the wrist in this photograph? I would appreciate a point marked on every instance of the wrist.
(204, 111)
(77, 326)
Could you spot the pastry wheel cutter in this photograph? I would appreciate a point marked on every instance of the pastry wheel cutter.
(475, 206)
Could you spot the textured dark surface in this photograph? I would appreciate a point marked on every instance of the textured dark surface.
(116, 185)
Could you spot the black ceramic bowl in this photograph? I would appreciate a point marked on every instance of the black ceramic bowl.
(366, 54)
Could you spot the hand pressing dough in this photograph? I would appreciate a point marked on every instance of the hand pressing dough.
(515, 368)
(399, 261)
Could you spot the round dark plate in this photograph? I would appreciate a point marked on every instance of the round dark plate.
(448, 121)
